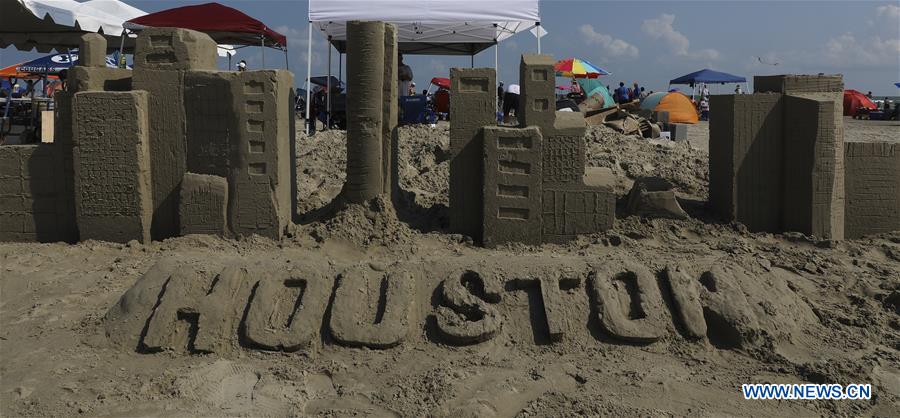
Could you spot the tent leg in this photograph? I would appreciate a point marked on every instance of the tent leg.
(539, 40)
(340, 67)
(473, 60)
(262, 44)
(496, 72)
(308, 71)
(287, 65)
(122, 50)
(328, 89)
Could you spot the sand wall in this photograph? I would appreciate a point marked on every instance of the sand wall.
(37, 193)
(872, 178)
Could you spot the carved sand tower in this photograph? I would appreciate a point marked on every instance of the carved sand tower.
(371, 111)
(523, 184)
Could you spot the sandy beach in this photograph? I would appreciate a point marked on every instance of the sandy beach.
(825, 311)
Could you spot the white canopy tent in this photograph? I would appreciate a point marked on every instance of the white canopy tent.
(46, 25)
(427, 27)
(58, 24)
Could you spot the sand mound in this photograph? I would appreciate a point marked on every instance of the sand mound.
(374, 223)
(632, 157)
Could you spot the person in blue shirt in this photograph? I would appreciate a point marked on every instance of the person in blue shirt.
(621, 93)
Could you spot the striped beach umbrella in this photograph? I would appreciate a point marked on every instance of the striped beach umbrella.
(578, 68)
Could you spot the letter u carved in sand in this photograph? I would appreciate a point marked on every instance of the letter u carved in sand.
(352, 320)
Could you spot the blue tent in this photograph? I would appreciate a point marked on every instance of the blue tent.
(897, 84)
(54, 63)
(708, 76)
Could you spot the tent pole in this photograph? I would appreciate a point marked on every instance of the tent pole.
(287, 65)
(328, 89)
(122, 49)
(539, 36)
(496, 73)
(308, 71)
(340, 67)
(262, 44)
(473, 60)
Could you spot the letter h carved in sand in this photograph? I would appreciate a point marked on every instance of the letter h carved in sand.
(211, 310)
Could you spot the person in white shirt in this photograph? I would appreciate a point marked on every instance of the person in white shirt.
(510, 101)
(737, 90)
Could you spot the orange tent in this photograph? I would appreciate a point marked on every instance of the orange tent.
(679, 106)
(853, 100)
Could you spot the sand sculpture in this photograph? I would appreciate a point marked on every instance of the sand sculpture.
(777, 162)
(175, 147)
(178, 307)
(520, 184)
(371, 111)
(172, 147)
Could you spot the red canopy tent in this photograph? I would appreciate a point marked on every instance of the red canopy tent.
(441, 82)
(223, 24)
(853, 100)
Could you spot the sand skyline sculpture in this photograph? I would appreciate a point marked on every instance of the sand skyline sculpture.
(177, 147)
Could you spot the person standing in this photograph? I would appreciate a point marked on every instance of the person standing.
(636, 95)
(621, 93)
(576, 90)
(500, 91)
(704, 109)
(411, 91)
(405, 76)
(870, 96)
(704, 92)
(29, 89)
(510, 101)
(242, 66)
(644, 94)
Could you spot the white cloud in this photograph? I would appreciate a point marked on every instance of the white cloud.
(662, 28)
(890, 11)
(847, 50)
(298, 43)
(439, 66)
(706, 54)
(611, 46)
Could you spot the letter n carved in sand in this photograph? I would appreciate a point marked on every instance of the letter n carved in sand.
(359, 290)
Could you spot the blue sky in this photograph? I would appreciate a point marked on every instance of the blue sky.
(646, 41)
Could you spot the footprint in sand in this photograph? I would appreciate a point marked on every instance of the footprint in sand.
(238, 389)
